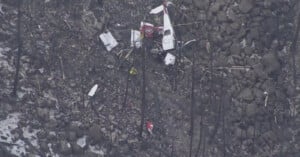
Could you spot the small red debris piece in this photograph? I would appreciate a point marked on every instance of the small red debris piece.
(149, 126)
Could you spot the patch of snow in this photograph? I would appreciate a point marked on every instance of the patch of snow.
(19, 148)
(82, 141)
(31, 135)
(7, 125)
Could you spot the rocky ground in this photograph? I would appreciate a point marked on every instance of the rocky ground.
(246, 83)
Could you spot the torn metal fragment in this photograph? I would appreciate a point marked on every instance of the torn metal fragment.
(108, 40)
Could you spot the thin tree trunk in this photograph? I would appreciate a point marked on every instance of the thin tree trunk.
(293, 51)
(192, 105)
(143, 105)
(16, 80)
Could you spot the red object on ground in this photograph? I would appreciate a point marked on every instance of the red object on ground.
(148, 30)
(149, 126)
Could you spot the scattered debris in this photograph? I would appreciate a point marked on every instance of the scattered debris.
(188, 42)
(147, 29)
(93, 90)
(170, 59)
(108, 40)
(149, 126)
(168, 40)
(81, 141)
(266, 98)
(135, 40)
(133, 71)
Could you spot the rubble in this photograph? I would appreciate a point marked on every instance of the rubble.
(240, 49)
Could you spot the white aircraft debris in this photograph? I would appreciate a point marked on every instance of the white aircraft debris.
(157, 9)
(168, 41)
(170, 59)
(135, 40)
(108, 40)
(266, 98)
(93, 90)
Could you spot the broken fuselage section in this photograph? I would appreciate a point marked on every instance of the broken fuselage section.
(168, 39)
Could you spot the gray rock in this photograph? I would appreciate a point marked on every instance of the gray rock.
(201, 4)
(248, 50)
(72, 135)
(235, 26)
(231, 15)
(259, 71)
(246, 5)
(95, 133)
(251, 109)
(246, 94)
(215, 7)
(271, 63)
(235, 48)
(253, 34)
(43, 113)
(222, 16)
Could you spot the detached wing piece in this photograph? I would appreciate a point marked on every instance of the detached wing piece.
(168, 40)
(157, 9)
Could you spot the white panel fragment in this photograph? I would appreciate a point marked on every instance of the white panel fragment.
(170, 59)
(93, 90)
(135, 40)
(108, 40)
(157, 10)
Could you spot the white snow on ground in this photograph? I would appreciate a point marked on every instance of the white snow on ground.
(82, 141)
(10, 123)
(3, 60)
(18, 146)
(6, 126)
(31, 135)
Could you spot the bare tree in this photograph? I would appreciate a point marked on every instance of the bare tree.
(143, 105)
(19, 52)
(192, 104)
